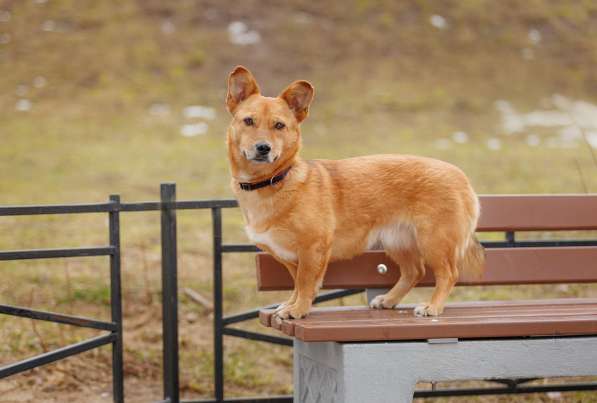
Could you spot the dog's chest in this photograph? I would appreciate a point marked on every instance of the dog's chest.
(267, 238)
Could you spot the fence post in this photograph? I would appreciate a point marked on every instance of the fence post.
(116, 301)
(216, 215)
(169, 292)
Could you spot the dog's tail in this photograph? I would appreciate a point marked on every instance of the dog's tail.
(472, 263)
(473, 260)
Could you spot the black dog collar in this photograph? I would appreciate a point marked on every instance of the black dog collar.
(268, 182)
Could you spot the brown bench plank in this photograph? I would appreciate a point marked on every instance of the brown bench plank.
(463, 320)
(504, 266)
(486, 307)
(538, 212)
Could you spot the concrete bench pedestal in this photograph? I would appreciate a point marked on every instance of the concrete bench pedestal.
(388, 372)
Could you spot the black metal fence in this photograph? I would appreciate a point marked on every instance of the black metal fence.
(114, 328)
(168, 205)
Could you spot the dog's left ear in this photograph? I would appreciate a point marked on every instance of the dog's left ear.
(298, 96)
(241, 85)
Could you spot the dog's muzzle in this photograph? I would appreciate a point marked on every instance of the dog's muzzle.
(261, 152)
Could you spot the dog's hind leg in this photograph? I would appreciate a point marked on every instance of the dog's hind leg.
(445, 271)
(412, 271)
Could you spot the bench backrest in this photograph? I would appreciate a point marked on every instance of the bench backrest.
(508, 262)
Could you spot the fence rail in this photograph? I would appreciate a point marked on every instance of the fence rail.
(167, 206)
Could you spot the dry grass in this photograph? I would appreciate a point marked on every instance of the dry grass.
(386, 81)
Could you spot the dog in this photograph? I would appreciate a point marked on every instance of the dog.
(423, 212)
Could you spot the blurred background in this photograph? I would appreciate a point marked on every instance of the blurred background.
(116, 96)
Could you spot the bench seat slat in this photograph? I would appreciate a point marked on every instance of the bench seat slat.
(504, 266)
(463, 320)
(538, 212)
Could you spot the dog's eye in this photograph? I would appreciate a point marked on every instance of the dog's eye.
(279, 125)
(248, 121)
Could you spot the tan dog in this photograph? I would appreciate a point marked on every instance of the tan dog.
(422, 211)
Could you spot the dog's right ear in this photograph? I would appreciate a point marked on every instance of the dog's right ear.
(241, 85)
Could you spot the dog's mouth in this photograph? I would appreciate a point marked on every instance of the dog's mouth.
(260, 159)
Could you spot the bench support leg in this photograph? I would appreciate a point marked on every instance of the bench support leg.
(388, 372)
(321, 376)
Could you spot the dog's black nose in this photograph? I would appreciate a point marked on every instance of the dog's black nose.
(263, 148)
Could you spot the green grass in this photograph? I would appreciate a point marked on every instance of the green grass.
(386, 81)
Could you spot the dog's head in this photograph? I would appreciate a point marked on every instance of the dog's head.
(264, 133)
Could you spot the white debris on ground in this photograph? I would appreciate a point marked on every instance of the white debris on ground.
(168, 27)
(40, 82)
(4, 39)
(159, 109)
(4, 16)
(23, 105)
(533, 140)
(460, 137)
(438, 21)
(534, 36)
(193, 129)
(49, 26)
(239, 34)
(199, 112)
(302, 18)
(21, 90)
(494, 144)
(442, 144)
(571, 120)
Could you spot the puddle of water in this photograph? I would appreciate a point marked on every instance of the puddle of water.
(564, 119)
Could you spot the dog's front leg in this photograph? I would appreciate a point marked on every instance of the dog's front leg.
(292, 269)
(312, 264)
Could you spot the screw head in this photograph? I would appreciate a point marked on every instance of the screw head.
(382, 268)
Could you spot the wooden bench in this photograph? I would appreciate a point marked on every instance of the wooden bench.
(357, 354)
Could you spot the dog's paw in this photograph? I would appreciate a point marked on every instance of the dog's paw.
(427, 310)
(292, 312)
(382, 302)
